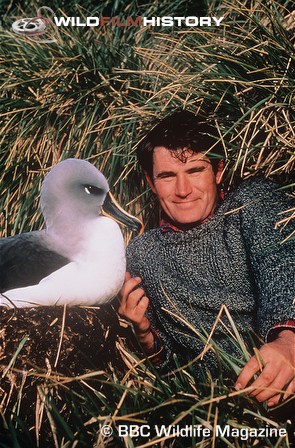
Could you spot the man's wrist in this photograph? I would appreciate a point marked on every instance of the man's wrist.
(150, 341)
(146, 339)
(143, 331)
(286, 333)
(273, 333)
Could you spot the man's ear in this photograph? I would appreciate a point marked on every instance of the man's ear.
(150, 182)
(220, 171)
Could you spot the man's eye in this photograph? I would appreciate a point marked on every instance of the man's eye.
(164, 176)
(198, 169)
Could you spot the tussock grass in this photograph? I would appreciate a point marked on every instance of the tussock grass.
(94, 92)
(72, 410)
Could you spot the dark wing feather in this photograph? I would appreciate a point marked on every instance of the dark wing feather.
(24, 261)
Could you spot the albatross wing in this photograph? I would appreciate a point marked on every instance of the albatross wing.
(25, 260)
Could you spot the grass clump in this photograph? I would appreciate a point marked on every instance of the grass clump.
(94, 93)
(137, 406)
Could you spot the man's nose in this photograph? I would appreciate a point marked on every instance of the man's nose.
(183, 186)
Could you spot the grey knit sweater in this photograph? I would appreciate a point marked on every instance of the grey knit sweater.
(235, 258)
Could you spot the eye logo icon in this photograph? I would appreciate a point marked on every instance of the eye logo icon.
(29, 26)
(35, 26)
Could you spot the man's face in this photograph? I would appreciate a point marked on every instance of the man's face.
(187, 190)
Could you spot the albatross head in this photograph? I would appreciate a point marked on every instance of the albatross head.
(74, 191)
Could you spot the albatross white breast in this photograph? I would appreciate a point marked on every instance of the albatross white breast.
(79, 259)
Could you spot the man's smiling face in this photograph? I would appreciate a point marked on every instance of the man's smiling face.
(186, 188)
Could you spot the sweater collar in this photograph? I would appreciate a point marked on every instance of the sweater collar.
(168, 226)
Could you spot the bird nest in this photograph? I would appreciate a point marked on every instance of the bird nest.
(69, 340)
(43, 343)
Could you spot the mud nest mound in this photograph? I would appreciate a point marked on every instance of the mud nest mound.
(44, 343)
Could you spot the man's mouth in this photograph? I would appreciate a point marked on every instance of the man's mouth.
(185, 202)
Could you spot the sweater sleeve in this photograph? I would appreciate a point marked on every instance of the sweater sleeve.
(271, 250)
(136, 256)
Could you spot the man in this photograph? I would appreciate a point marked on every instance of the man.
(210, 251)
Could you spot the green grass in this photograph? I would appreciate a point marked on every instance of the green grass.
(95, 92)
(71, 411)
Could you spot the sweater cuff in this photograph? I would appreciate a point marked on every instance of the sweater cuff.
(159, 355)
(275, 330)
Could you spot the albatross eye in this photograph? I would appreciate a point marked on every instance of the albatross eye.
(91, 189)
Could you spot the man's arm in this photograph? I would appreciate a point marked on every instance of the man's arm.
(271, 258)
(276, 367)
(133, 306)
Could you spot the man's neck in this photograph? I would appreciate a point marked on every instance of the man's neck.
(167, 223)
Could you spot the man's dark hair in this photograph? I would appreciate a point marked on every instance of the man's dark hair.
(178, 132)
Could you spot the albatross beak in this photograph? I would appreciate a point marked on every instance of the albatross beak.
(113, 210)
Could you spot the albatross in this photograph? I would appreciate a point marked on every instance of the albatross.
(79, 258)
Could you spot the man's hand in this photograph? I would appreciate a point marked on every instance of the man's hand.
(133, 306)
(277, 371)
